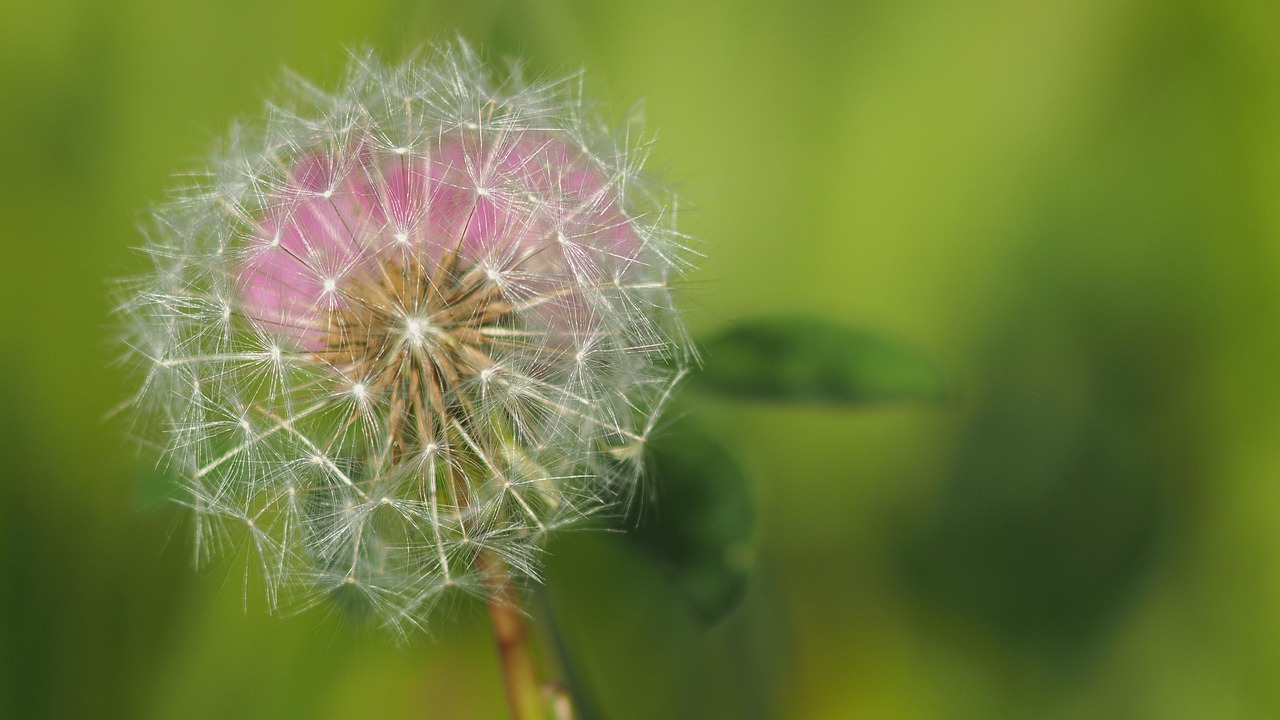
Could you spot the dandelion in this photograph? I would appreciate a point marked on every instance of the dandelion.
(397, 336)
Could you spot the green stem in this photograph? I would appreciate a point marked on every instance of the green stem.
(574, 701)
(519, 673)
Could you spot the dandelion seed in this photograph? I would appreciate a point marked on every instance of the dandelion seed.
(412, 324)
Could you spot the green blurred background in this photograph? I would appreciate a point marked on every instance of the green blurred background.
(1072, 207)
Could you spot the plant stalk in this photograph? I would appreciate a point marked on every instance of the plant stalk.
(519, 672)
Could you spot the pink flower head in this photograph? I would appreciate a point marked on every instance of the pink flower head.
(426, 316)
(528, 201)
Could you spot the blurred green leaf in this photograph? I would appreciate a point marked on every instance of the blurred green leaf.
(800, 359)
(699, 528)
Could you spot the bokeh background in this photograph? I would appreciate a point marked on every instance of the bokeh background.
(1073, 208)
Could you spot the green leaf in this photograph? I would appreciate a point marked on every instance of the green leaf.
(810, 360)
(698, 529)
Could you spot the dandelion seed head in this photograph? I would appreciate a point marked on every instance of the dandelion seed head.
(420, 317)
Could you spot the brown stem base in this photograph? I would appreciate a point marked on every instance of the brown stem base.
(519, 673)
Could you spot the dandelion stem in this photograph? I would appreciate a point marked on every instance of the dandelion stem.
(519, 673)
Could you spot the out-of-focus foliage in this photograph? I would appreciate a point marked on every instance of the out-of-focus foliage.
(1070, 208)
(805, 359)
(697, 523)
